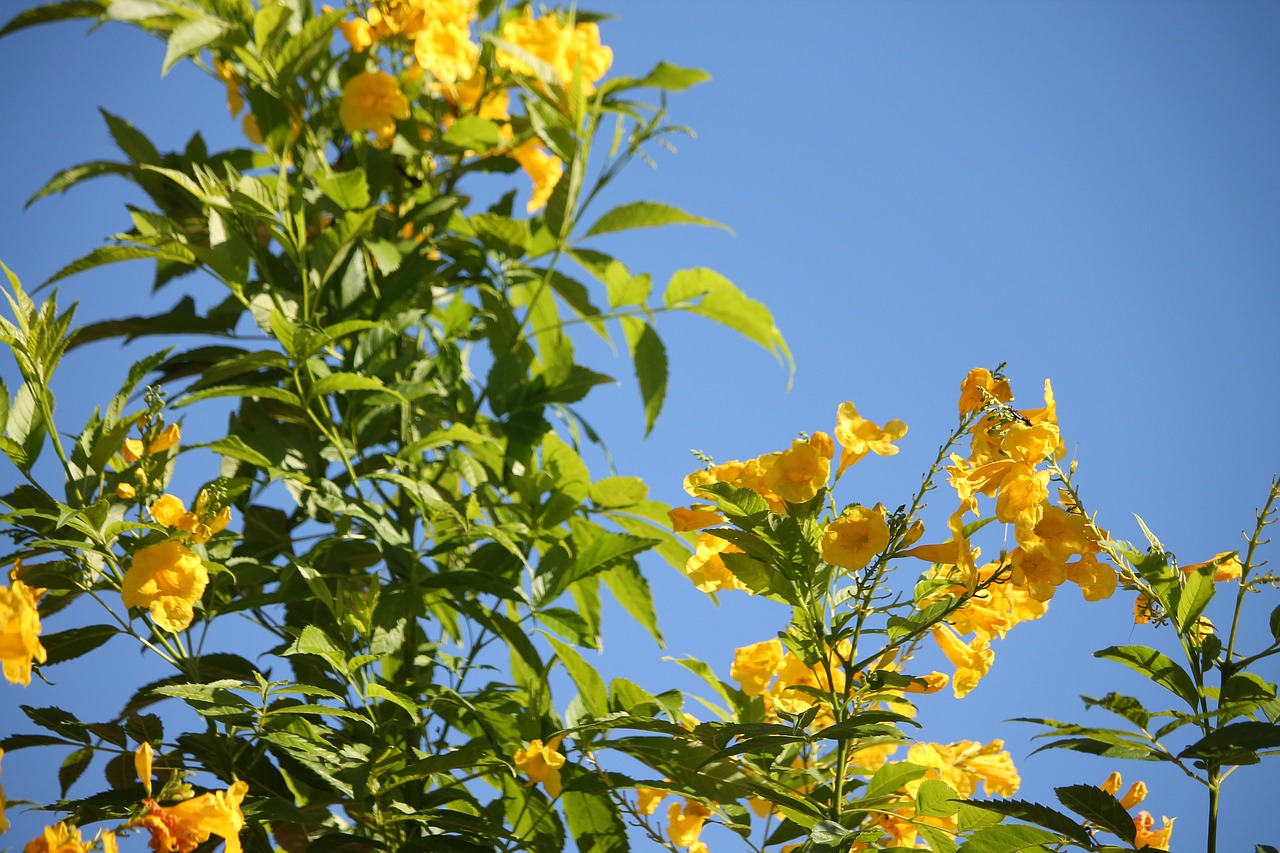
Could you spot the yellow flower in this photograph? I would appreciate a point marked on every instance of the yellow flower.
(754, 666)
(696, 517)
(1226, 566)
(971, 660)
(798, 474)
(126, 492)
(542, 764)
(706, 568)
(133, 448)
(182, 827)
(547, 38)
(1112, 783)
(871, 758)
(1022, 496)
(999, 607)
(647, 799)
(170, 511)
(1144, 609)
(19, 632)
(854, 539)
(142, 758)
(1031, 444)
(167, 579)
(447, 51)
(469, 97)
(57, 839)
(859, 436)
(372, 101)
(964, 764)
(109, 844)
(1097, 580)
(543, 168)
(685, 822)
(1040, 575)
(972, 399)
(227, 74)
(933, 683)
(1059, 535)
(1136, 794)
(358, 33)
(1147, 836)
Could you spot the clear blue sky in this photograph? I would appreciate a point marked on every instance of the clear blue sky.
(1089, 191)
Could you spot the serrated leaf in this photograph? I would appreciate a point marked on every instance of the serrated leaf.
(1009, 838)
(594, 822)
(73, 767)
(892, 777)
(827, 833)
(674, 78)
(115, 254)
(343, 382)
(74, 642)
(646, 214)
(1237, 743)
(1096, 805)
(649, 355)
(1156, 666)
(377, 691)
(1041, 815)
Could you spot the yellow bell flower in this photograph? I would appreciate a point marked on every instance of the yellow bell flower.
(167, 579)
(19, 632)
(754, 666)
(685, 822)
(59, 838)
(972, 660)
(972, 399)
(798, 474)
(184, 826)
(859, 436)
(854, 539)
(542, 763)
(372, 101)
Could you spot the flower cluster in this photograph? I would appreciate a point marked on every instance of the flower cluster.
(1146, 835)
(439, 37)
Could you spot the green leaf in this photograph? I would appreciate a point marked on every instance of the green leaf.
(707, 293)
(1125, 706)
(234, 446)
(191, 37)
(65, 11)
(649, 356)
(589, 683)
(69, 177)
(1237, 743)
(1157, 667)
(1049, 818)
(1007, 838)
(348, 190)
(935, 798)
(618, 492)
(1192, 598)
(674, 78)
(115, 254)
(827, 833)
(472, 133)
(594, 822)
(58, 721)
(1096, 805)
(892, 777)
(74, 642)
(645, 214)
(631, 590)
(377, 691)
(266, 392)
(343, 382)
(73, 767)
(308, 42)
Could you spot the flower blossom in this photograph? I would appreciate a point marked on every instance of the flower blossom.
(372, 101)
(755, 665)
(19, 632)
(859, 436)
(184, 826)
(854, 539)
(59, 838)
(542, 763)
(167, 579)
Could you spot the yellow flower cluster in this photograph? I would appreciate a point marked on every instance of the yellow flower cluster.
(1144, 824)
(168, 580)
(199, 525)
(439, 29)
(567, 50)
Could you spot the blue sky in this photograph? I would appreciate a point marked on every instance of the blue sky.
(1089, 191)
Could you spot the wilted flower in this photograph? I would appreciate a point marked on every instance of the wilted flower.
(1148, 836)
(184, 826)
(542, 764)
(19, 632)
(167, 579)
(372, 101)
